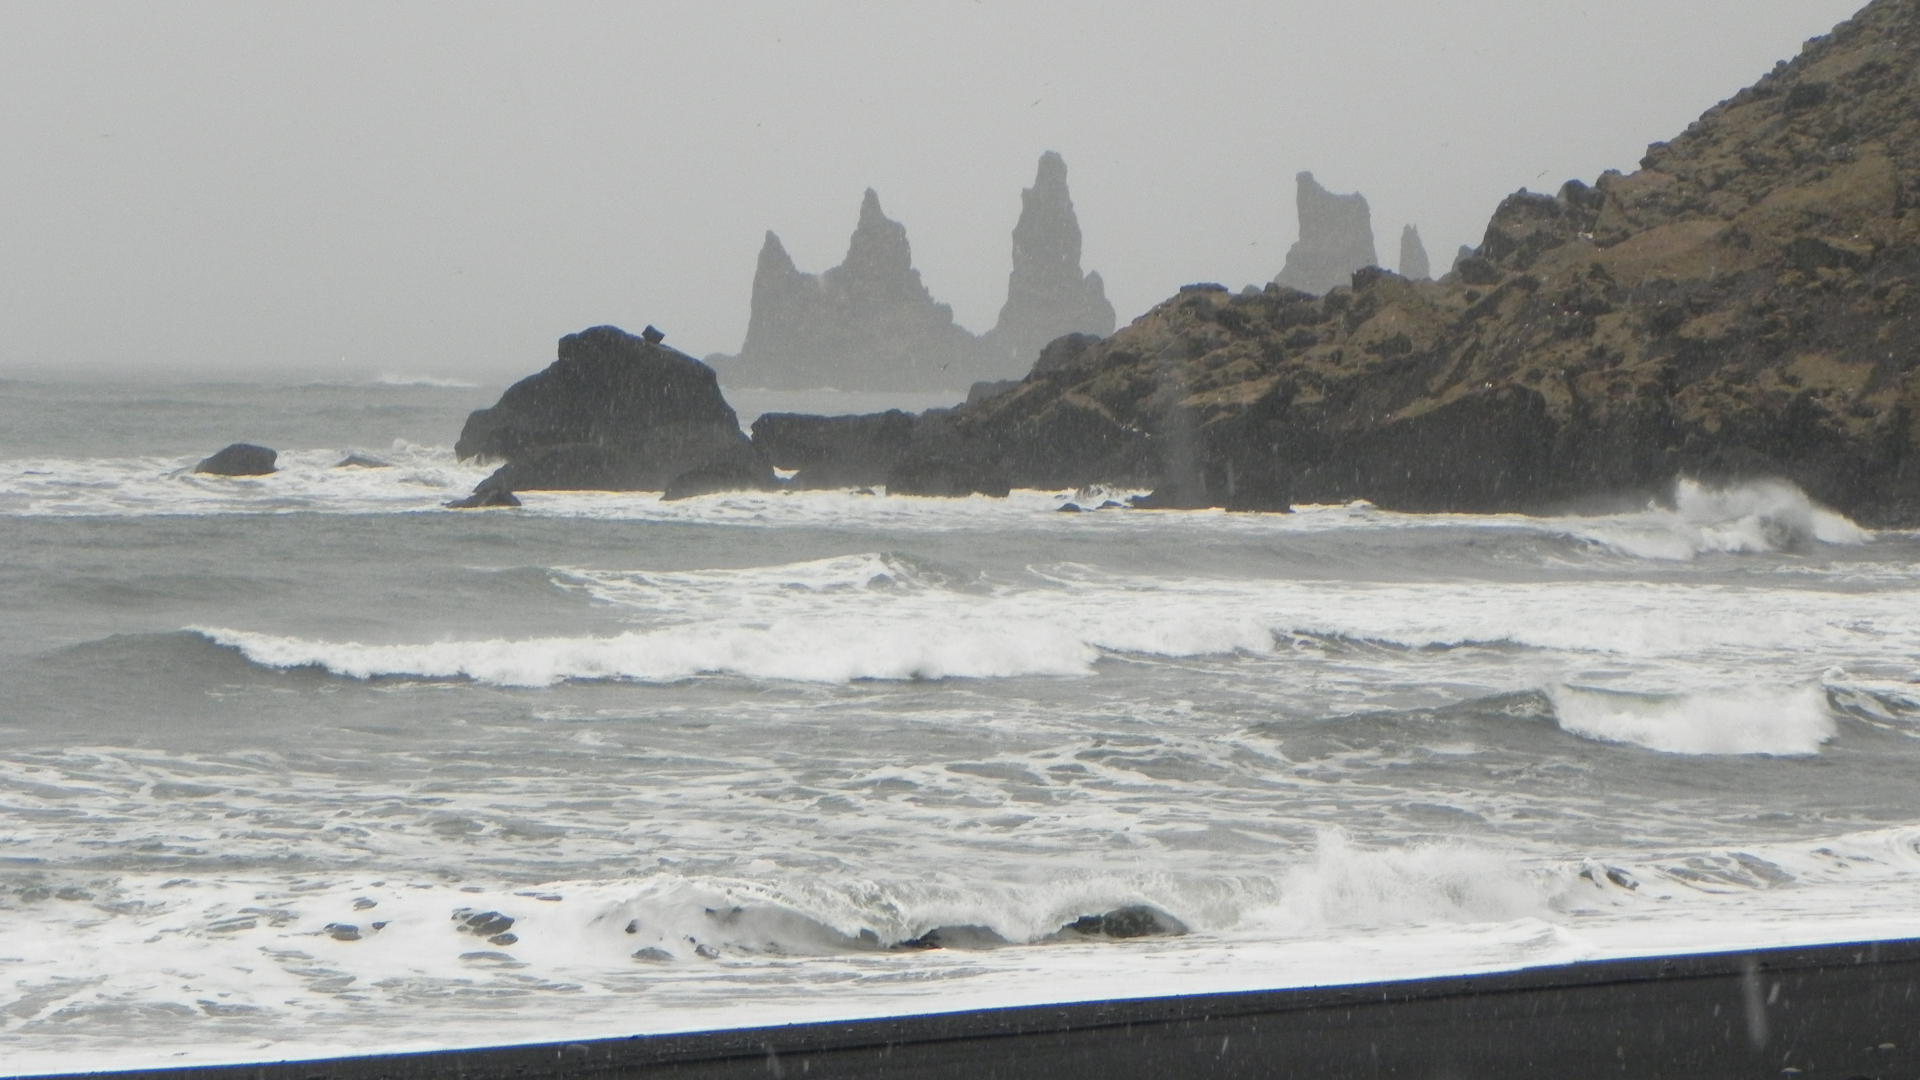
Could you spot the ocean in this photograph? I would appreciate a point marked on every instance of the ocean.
(305, 764)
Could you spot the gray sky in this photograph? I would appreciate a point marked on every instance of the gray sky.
(348, 188)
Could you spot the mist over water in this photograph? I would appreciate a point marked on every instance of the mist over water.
(303, 754)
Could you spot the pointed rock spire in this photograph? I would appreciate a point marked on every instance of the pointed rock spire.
(1047, 295)
(1336, 238)
(1413, 256)
(878, 255)
(867, 324)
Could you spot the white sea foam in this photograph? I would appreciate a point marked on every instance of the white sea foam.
(1347, 885)
(892, 617)
(1750, 518)
(419, 478)
(389, 378)
(1775, 721)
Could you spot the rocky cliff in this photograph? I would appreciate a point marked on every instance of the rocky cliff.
(1336, 238)
(1746, 304)
(1047, 295)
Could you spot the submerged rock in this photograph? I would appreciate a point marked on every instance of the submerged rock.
(1130, 921)
(360, 461)
(240, 459)
(956, 937)
(485, 496)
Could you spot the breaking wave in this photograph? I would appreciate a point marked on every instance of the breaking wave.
(1757, 517)
(1794, 722)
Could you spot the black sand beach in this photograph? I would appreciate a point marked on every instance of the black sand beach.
(1842, 1011)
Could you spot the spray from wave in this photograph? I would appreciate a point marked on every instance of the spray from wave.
(1756, 517)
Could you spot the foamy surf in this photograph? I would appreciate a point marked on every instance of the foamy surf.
(1793, 721)
(1756, 517)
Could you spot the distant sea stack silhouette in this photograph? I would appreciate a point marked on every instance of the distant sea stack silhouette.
(870, 324)
(1413, 256)
(1336, 238)
(867, 324)
(1047, 295)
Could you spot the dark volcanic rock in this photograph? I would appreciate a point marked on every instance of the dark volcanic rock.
(240, 459)
(719, 477)
(613, 412)
(1063, 353)
(867, 324)
(835, 451)
(361, 461)
(1131, 921)
(1745, 306)
(1336, 238)
(485, 496)
(1413, 256)
(956, 937)
(1047, 295)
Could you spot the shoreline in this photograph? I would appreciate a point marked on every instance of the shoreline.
(1842, 1011)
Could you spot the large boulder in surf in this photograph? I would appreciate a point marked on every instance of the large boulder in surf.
(613, 412)
(240, 459)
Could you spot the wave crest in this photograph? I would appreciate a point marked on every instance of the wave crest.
(1765, 721)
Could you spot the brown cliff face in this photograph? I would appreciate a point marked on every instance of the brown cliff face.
(1746, 304)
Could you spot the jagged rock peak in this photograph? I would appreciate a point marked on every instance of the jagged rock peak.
(866, 324)
(774, 258)
(1336, 238)
(1413, 255)
(1047, 294)
(878, 251)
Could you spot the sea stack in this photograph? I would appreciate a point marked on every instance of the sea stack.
(1047, 294)
(867, 324)
(1336, 239)
(614, 412)
(1413, 256)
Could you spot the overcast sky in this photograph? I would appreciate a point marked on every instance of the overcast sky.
(437, 188)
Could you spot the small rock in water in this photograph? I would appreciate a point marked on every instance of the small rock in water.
(633, 926)
(503, 940)
(361, 461)
(240, 459)
(482, 923)
(955, 937)
(1131, 921)
(652, 954)
(706, 952)
(484, 497)
(343, 931)
(1070, 508)
(364, 902)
